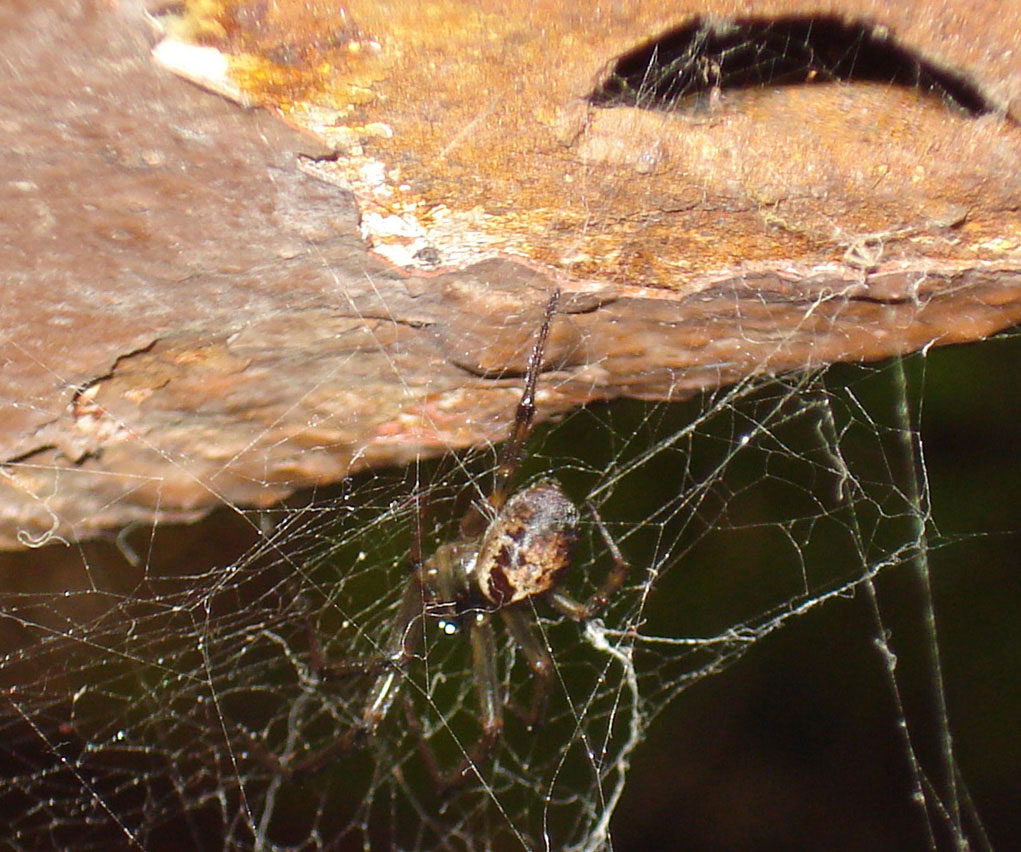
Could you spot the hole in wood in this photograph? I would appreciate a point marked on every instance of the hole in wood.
(692, 67)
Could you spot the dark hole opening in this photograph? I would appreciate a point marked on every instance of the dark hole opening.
(691, 66)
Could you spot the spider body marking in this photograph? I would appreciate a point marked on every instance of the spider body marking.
(528, 546)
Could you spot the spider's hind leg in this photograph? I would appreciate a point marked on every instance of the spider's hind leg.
(599, 599)
(475, 520)
(525, 414)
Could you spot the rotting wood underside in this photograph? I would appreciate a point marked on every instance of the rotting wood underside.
(189, 319)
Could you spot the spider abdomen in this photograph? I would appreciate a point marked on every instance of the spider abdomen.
(528, 545)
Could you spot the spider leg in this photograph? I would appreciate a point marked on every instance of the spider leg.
(326, 670)
(510, 457)
(519, 622)
(404, 637)
(487, 689)
(372, 665)
(578, 611)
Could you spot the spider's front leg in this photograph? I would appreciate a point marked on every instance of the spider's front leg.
(404, 637)
(520, 624)
(487, 689)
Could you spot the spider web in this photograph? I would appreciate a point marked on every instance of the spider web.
(159, 690)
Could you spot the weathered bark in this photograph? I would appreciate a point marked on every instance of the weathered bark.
(190, 315)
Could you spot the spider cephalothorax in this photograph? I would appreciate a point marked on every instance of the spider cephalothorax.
(513, 550)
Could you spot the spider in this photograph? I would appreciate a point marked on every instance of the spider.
(512, 551)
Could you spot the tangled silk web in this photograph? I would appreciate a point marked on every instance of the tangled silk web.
(161, 712)
(165, 706)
